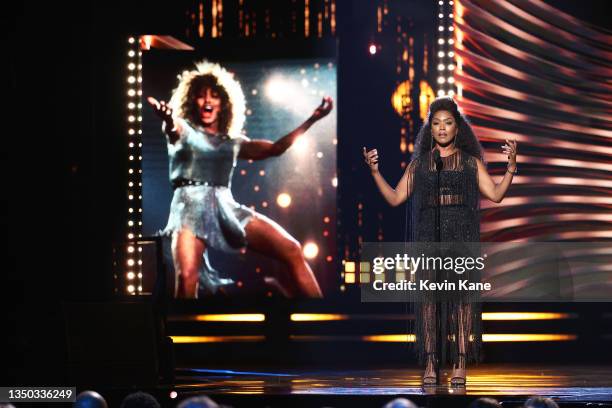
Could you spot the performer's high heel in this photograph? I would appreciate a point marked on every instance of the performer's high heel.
(458, 376)
(430, 377)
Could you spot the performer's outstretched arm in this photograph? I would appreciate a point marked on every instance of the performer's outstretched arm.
(262, 149)
(488, 188)
(170, 127)
(402, 191)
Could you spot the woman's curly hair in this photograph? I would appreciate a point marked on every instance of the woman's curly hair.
(465, 140)
(212, 76)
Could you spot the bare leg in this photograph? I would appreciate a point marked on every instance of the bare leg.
(429, 333)
(464, 318)
(465, 323)
(187, 252)
(269, 238)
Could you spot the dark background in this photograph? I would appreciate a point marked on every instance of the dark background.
(64, 164)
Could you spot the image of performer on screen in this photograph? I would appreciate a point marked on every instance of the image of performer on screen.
(446, 176)
(203, 123)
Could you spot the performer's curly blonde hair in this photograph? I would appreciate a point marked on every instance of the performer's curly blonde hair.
(213, 76)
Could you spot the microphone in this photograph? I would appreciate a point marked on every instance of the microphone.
(438, 160)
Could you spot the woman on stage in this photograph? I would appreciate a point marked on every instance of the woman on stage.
(203, 123)
(446, 150)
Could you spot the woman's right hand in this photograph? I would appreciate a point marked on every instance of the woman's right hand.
(371, 159)
(163, 111)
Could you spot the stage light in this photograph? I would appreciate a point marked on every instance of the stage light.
(130, 223)
(440, 3)
(441, 41)
(130, 275)
(131, 158)
(130, 197)
(130, 171)
(305, 83)
(451, 41)
(283, 200)
(441, 92)
(440, 54)
(131, 40)
(451, 28)
(139, 273)
(372, 49)
(319, 155)
(131, 66)
(131, 132)
(451, 93)
(450, 15)
(139, 288)
(334, 182)
(311, 250)
(130, 210)
(300, 145)
(440, 28)
(440, 67)
(173, 394)
(440, 15)
(441, 80)
(130, 236)
(130, 288)
(451, 67)
(131, 79)
(131, 53)
(131, 118)
(317, 317)
(451, 54)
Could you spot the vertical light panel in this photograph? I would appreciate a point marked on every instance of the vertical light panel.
(133, 258)
(446, 48)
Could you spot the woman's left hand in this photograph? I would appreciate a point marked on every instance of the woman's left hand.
(323, 109)
(510, 149)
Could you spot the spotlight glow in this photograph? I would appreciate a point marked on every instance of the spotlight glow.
(372, 49)
(283, 200)
(278, 89)
(311, 250)
(300, 145)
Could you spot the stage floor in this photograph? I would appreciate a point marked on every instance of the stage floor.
(563, 383)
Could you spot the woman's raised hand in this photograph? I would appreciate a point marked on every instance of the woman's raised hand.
(371, 159)
(163, 111)
(510, 150)
(327, 104)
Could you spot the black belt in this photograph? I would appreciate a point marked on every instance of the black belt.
(183, 182)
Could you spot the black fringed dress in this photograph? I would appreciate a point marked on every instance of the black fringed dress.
(454, 320)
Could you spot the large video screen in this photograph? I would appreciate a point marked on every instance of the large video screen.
(269, 229)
